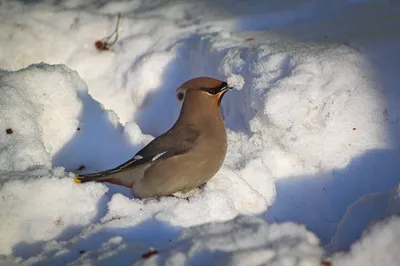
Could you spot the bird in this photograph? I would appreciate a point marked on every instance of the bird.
(186, 156)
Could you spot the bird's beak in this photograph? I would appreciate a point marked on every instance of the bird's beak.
(224, 88)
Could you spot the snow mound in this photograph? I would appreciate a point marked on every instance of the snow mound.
(35, 104)
(364, 213)
(378, 247)
(223, 198)
(44, 205)
(242, 241)
(304, 117)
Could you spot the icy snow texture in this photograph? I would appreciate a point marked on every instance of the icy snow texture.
(36, 209)
(379, 247)
(236, 81)
(313, 134)
(242, 241)
(362, 214)
(25, 104)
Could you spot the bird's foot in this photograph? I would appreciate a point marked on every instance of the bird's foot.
(186, 194)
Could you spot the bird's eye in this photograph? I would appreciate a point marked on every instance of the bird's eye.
(212, 91)
(180, 96)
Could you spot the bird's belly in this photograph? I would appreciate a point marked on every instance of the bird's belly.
(178, 173)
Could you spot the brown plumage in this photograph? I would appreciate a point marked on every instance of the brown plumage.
(186, 156)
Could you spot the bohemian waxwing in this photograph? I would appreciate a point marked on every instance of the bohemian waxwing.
(186, 156)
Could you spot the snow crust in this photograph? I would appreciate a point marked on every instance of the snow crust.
(312, 130)
(236, 81)
(379, 247)
(242, 241)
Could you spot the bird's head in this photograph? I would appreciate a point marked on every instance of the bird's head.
(205, 88)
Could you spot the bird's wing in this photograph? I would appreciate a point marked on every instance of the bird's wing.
(171, 143)
(175, 141)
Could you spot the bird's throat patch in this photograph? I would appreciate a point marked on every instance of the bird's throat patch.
(220, 97)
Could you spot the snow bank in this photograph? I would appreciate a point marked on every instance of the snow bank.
(242, 241)
(33, 108)
(364, 213)
(42, 208)
(379, 247)
(223, 198)
(323, 138)
(40, 110)
(302, 113)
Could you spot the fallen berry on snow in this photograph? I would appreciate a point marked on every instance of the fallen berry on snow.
(149, 253)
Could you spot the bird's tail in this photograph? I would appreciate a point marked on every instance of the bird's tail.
(115, 176)
(97, 177)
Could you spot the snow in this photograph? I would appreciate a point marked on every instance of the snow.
(236, 81)
(43, 213)
(313, 150)
(379, 247)
(371, 208)
(226, 243)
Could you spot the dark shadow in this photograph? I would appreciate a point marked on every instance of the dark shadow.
(331, 194)
(98, 143)
(375, 171)
(149, 233)
(208, 257)
(161, 108)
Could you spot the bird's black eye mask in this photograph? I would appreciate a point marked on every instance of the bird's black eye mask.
(216, 90)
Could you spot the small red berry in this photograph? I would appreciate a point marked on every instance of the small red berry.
(101, 46)
(149, 253)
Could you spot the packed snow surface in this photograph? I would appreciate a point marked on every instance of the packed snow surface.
(313, 131)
